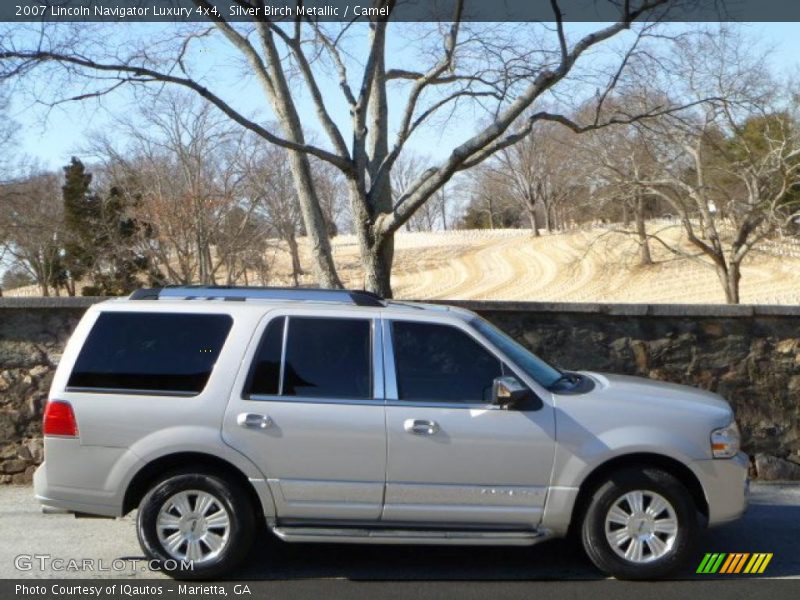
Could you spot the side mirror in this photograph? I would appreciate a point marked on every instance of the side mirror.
(508, 391)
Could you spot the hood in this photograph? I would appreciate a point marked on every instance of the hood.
(624, 388)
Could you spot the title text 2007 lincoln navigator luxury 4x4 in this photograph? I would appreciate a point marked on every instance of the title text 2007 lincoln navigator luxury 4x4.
(340, 417)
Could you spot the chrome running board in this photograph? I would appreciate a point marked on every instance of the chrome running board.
(409, 536)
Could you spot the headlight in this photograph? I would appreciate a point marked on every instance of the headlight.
(725, 441)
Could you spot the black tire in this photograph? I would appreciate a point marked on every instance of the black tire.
(593, 528)
(228, 494)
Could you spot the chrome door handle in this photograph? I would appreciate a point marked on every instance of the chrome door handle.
(420, 427)
(253, 420)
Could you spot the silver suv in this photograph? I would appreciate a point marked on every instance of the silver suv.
(336, 416)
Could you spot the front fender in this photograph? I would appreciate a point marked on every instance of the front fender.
(575, 461)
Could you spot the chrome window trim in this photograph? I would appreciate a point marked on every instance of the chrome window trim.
(390, 372)
(283, 352)
(371, 402)
(312, 400)
(131, 392)
(432, 404)
(377, 360)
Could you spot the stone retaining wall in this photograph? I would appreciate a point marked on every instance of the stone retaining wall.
(749, 354)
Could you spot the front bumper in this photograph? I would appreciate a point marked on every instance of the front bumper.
(725, 484)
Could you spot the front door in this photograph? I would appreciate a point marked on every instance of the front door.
(309, 412)
(453, 457)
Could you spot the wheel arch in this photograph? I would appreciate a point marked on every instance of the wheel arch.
(641, 460)
(144, 478)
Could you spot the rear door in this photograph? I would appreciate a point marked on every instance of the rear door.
(308, 409)
(454, 458)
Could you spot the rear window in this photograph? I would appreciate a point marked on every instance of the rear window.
(162, 353)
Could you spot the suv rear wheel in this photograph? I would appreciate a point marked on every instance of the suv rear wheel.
(199, 519)
(640, 524)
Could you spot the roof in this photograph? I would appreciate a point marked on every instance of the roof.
(259, 296)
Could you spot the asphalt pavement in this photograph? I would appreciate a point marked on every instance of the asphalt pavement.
(105, 549)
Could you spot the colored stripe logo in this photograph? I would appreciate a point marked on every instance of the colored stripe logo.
(734, 563)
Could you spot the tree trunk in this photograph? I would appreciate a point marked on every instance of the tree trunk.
(202, 272)
(376, 254)
(641, 232)
(285, 109)
(734, 277)
(376, 257)
(548, 225)
(212, 278)
(322, 266)
(729, 276)
(534, 221)
(377, 261)
(294, 251)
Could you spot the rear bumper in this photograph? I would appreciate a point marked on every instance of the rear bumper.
(726, 485)
(85, 479)
(63, 499)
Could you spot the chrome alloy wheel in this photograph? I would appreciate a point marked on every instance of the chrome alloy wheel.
(641, 526)
(193, 525)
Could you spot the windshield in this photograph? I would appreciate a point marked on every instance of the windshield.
(534, 366)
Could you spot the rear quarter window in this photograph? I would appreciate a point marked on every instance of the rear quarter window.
(162, 353)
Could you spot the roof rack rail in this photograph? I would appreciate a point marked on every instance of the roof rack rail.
(232, 292)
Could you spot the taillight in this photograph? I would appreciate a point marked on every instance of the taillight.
(59, 419)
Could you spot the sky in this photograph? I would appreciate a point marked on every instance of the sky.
(51, 137)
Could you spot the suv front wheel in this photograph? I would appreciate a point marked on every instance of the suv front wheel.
(640, 524)
(196, 526)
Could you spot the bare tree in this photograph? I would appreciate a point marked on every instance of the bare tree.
(431, 215)
(242, 245)
(731, 191)
(503, 68)
(491, 204)
(730, 169)
(31, 227)
(329, 183)
(539, 173)
(268, 183)
(621, 160)
(184, 161)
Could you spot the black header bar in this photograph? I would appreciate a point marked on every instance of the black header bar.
(182, 11)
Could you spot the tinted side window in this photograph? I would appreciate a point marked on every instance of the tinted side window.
(150, 352)
(440, 363)
(328, 358)
(266, 370)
